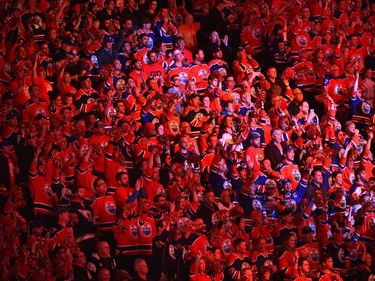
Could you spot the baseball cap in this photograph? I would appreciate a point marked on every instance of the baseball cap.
(108, 38)
(288, 148)
(176, 52)
(254, 135)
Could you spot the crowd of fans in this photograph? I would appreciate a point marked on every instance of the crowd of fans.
(189, 140)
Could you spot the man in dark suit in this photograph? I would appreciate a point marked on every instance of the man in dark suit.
(274, 151)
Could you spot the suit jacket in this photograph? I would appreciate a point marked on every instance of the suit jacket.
(272, 152)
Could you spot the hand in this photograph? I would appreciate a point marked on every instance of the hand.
(219, 149)
(225, 40)
(172, 207)
(349, 146)
(370, 136)
(218, 41)
(116, 24)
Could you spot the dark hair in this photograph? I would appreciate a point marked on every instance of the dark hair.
(159, 223)
(150, 52)
(119, 175)
(301, 260)
(96, 181)
(196, 51)
(156, 198)
(140, 36)
(358, 171)
(286, 239)
(314, 171)
(335, 173)
(178, 38)
(237, 242)
(324, 257)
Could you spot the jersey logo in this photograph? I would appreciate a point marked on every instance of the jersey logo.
(145, 58)
(150, 43)
(301, 40)
(120, 85)
(338, 89)
(40, 110)
(110, 207)
(94, 60)
(226, 246)
(183, 77)
(256, 204)
(173, 126)
(227, 185)
(365, 107)
(356, 58)
(296, 175)
(202, 72)
(67, 194)
(341, 255)
(146, 229)
(269, 240)
(86, 214)
(352, 177)
(353, 255)
(133, 230)
(90, 100)
(256, 33)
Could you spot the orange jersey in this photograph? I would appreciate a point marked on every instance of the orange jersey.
(290, 171)
(253, 35)
(337, 90)
(126, 235)
(254, 155)
(200, 73)
(104, 210)
(31, 110)
(146, 231)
